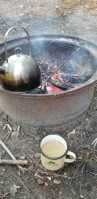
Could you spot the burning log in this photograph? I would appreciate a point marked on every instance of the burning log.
(62, 85)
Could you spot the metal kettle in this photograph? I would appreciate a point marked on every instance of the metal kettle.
(19, 72)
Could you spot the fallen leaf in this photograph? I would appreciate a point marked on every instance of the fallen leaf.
(46, 184)
(56, 181)
(14, 189)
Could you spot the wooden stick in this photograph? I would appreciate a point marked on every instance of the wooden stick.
(6, 149)
(6, 194)
(11, 155)
(14, 162)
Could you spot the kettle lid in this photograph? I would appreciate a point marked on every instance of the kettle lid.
(17, 58)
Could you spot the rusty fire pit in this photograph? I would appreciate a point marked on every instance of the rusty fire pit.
(53, 108)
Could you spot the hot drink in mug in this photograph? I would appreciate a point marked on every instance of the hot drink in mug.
(54, 149)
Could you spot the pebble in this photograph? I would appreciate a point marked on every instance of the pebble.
(37, 155)
(37, 138)
(87, 119)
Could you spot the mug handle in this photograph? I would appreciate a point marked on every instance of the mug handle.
(72, 159)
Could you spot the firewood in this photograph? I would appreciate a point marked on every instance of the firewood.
(14, 162)
(11, 155)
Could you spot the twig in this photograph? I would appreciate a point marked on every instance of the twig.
(7, 150)
(19, 179)
(95, 189)
(10, 154)
(31, 135)
(81, 179)
(93, 173)
(53, 174)
(75, 173)
(6, 135)
(6, 194)
(14, 162)
(71, 133)
(79, 141)
(94, 143)
(9, 127)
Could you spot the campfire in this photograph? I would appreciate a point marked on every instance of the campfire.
(68, 74)
(64, 71)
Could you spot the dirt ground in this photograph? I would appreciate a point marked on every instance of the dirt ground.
(76, 180)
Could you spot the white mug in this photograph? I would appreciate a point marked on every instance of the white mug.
(55, 163)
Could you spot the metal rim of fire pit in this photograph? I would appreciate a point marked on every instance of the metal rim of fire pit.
(77, 41)
(33, 117)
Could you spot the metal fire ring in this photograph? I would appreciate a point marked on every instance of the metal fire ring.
(55, 108)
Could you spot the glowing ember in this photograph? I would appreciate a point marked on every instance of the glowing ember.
(52, 89)
(56, 77)
(67, 77)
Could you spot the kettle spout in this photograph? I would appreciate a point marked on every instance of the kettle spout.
(2, 70)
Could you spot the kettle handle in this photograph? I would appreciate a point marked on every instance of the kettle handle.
(5, 39)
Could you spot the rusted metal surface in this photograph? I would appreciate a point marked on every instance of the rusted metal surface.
(46, 110)
(50, 109)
